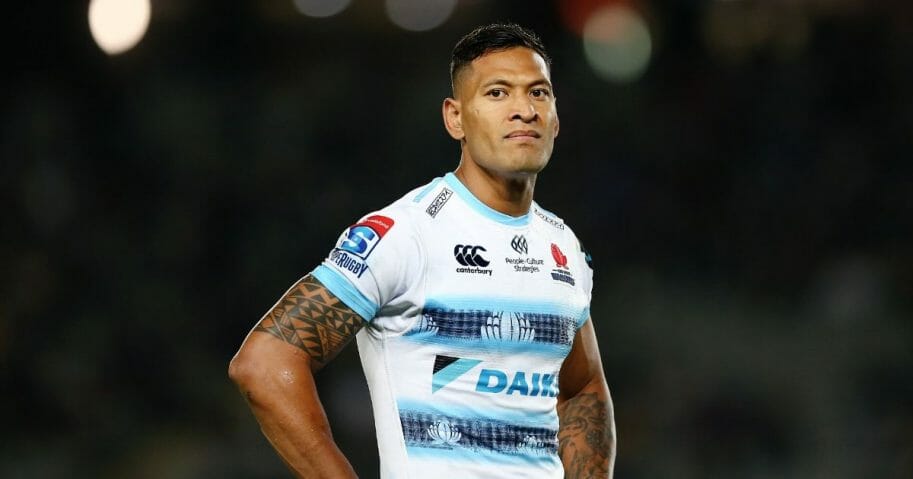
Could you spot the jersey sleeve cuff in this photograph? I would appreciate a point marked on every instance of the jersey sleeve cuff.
(345, 291)
(583, 317)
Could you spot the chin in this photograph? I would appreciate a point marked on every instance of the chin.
(520, 164)
(531, 164)
(528, 167)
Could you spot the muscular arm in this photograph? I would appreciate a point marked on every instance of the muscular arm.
(274, 371)
(586, 437)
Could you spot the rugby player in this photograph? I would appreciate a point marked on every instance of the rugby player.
(468, 301)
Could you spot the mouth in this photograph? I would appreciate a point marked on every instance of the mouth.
(523, 134)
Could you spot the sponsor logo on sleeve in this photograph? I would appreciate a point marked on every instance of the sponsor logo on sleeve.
(435, 207)
(548, 219)
(362, 237)
(348, 262)
(357, 243)
(561, 272)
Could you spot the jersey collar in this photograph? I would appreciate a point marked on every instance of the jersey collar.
(482, 208)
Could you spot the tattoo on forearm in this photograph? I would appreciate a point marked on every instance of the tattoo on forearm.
(585, 438)
(312, 319)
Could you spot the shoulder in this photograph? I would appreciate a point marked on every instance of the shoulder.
(405, 211)
(400, 221)
(420, 206)
(545, 216)
(430, 198)
(561, 229)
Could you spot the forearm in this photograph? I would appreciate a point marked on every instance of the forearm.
(274, 369)
(285, 403)
(301, 438)
(586, 437)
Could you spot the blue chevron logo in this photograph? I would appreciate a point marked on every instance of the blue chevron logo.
(448, 368)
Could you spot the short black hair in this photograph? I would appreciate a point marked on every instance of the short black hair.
(491, 38)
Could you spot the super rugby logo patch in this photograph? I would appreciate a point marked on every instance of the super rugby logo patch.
(357, 243)
(362, 237)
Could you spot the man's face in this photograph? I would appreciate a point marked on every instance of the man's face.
(506, 112)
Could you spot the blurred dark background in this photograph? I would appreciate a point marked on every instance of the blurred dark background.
(740, 171)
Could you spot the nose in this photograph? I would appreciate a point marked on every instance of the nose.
(524, 110)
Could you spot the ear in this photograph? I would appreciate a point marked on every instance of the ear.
(453, 121)
(557, 119)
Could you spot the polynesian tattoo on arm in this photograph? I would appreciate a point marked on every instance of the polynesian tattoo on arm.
(585, 437)
(313, 320)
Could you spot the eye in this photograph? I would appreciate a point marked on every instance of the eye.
(496, 93)
(540, 93)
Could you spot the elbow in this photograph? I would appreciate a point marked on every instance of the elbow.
(248, 375)
(242, 370)
(262, 371)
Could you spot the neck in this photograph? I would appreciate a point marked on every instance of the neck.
(511, 195)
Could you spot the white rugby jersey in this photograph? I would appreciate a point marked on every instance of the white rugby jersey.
(470, 314)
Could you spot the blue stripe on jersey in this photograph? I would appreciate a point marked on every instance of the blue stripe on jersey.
(535, 463)
(458, 345)
(512, 331)
(460, 436)
(483, 303)
(547, 418)
(482, 208)
(345, 291)
(426, 190)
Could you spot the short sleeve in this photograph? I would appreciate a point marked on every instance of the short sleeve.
(374, 261)
(586, 278)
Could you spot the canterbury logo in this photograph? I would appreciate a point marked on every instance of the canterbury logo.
(468, 255)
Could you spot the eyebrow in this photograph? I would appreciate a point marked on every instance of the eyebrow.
(501, 81)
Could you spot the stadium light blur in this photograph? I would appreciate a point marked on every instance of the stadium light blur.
(419, 15)
(118, 25)
(617, 43)
(574, 13)
(320, 8)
